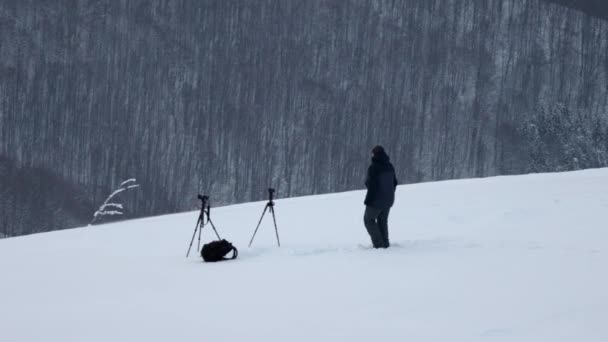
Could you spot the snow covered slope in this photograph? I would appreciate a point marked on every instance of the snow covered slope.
(499, 259)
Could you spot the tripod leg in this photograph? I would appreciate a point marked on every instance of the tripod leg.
(256, 228)
(215, 230)
(276, 230)
(193, 235)
(200, 232)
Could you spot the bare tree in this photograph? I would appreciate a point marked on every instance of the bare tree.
(110, 208)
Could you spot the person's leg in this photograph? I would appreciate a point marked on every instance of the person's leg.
(370, 217)
(383, 226)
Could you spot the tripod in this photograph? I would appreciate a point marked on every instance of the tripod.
(269, 207)
(200, 224)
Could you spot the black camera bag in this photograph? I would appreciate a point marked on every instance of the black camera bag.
(217, 251)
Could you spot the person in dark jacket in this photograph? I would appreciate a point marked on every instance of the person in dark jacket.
(381, 183)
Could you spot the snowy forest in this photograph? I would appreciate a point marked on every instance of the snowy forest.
(230, 97)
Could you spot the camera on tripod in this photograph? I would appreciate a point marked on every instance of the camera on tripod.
(200, 224)
(205, 213)
(269, 207)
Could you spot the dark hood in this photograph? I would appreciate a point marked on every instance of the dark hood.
(380, 157)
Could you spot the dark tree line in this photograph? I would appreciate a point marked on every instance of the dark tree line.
(228, 97)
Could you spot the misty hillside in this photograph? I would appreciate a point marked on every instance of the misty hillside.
(230, 97)
(598, 8)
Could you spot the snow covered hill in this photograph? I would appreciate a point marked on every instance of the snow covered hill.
(519, 258)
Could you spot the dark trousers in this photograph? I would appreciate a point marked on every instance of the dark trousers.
(376, 222)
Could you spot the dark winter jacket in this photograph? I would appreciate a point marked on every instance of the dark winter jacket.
(381, 182)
